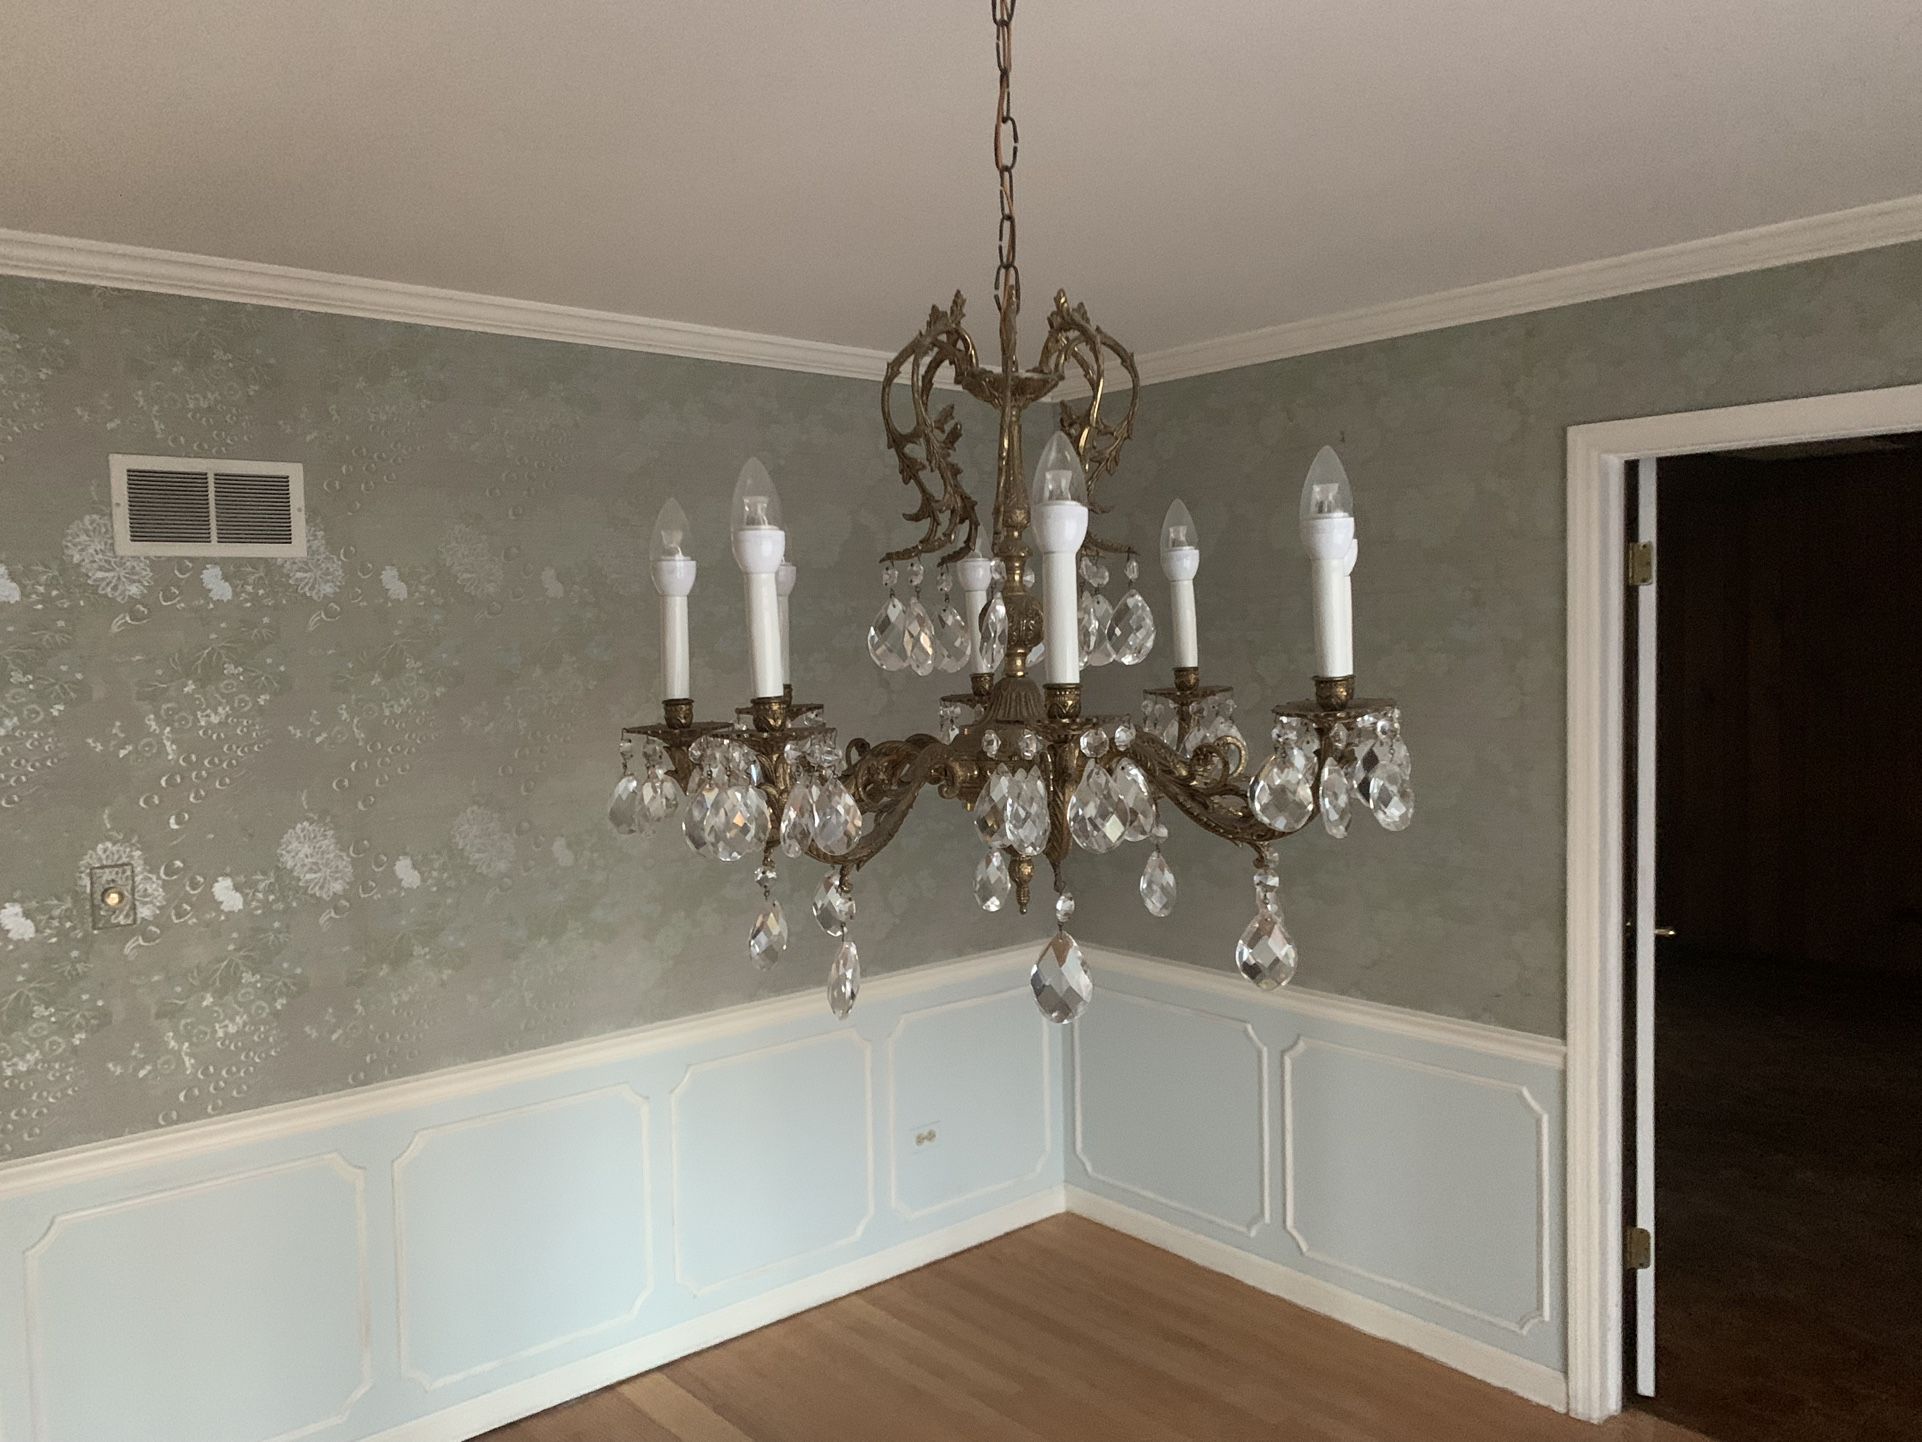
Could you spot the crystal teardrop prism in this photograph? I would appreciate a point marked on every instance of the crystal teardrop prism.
(844, 978)
(1093, 819)
(624, 810)
(994, 632)
(953, 645)
(833, 907)
(1131, 634)
(920, 637)
(888, 635)
(1026, 820)
(660, 795)
(837, 819)
(1060, 980)
(991, 808)
(798, 816)
(1158, 884)
(1265, 954)
(1133, 799)
(993, 886)
(738, 822)
(767, 938)
(1392, 795)
(1283, 795)
(702, 823)
(1337, 795)
(1096, 615)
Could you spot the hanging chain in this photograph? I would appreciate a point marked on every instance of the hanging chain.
(1007, 148)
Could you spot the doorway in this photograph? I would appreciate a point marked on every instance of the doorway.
(1600, 1180)
(1786, 968)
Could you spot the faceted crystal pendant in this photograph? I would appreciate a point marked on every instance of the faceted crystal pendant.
(624, 811)
(1158, 884)
(1096, 615)
(993, 886)
(994, 632)
(1337, 794)
(1159, 718)
(888, 635)
(1026, 821)
(953, 646)
(837, 819)
(660, 794)
(1060, 979)
(767, 938)
(920, 637)
(844, 979)
(991, 810)
(726, 760)
(738, 822)
(1283, 795)
(797, 816)
(1265, 954)
(703, 821)
(1093, 820)
(833, 907)
(1134, 802)
(1392, 795)
(1131, 634)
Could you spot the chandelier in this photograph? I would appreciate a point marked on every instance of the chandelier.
(1041, 778)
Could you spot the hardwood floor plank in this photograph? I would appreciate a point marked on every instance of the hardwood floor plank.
(1060, 1332)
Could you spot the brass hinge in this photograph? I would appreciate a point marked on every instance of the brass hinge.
(1638, 1249)
(1641, 562)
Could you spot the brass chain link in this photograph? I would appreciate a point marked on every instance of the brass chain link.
(1007, 148)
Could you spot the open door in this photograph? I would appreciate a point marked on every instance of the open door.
(1638, 1192)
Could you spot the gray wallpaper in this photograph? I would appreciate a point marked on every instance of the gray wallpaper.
(1455, 442)
(364, 791)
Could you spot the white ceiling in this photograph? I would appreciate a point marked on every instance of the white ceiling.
(822, 170)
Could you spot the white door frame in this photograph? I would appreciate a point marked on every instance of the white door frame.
(1597, 455)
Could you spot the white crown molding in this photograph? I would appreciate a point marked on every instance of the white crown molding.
(1837, 233)
(133, 267)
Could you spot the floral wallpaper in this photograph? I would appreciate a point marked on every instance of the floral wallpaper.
(363, 792)
(1456, 444)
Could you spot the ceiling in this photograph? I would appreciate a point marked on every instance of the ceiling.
(822, 171)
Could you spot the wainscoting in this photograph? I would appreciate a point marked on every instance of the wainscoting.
(422, 1261)
(1399, 1171)
(425, 1260)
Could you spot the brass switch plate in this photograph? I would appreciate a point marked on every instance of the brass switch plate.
(110, 888)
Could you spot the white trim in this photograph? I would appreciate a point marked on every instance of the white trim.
(1597, 455)
(563, 1384)
(172, 272)
(1542, 1310)
(1265, 1213)
(1478, 1359)
(476, 1079)
(1374, 1016)
(1891, 222)
(132, 267)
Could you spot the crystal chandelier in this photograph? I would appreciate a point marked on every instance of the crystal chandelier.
(1041, 778)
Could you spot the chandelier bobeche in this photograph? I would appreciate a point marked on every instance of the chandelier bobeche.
(1040, 778)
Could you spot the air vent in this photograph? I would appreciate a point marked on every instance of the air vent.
(167, 506)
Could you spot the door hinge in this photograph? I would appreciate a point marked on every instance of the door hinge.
(1638, 1249)
(1641, 563)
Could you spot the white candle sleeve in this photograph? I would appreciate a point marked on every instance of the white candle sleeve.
(1334, 617)
(674, 653)
(974, 574)
(1181, 603)
(1061, 618)
(787, 648)
(764, 632)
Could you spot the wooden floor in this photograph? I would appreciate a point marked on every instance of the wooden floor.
(1063, 1330)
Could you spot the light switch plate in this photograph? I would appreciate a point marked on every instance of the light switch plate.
(101, 881)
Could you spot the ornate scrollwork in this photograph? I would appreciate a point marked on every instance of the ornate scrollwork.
(924, 450)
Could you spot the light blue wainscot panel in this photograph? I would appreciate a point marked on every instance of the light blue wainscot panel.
(1410, 1161)
(428, 1259)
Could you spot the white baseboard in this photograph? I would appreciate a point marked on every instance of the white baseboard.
(550, 1389)
(1503, 1369)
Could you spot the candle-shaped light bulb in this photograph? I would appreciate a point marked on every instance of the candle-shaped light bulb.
(1328, 534)
(1059, 509)
(975, 573)
(1180, 560)
(674, 579)
(760, 545)
(784, 579)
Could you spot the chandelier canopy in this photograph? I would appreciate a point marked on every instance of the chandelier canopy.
(1041, 778)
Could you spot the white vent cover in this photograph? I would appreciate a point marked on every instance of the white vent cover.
(167, 506)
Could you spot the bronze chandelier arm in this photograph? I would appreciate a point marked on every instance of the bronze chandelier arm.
(1099, 442)
(886, 780)
(928, 444)
(1205, 789)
